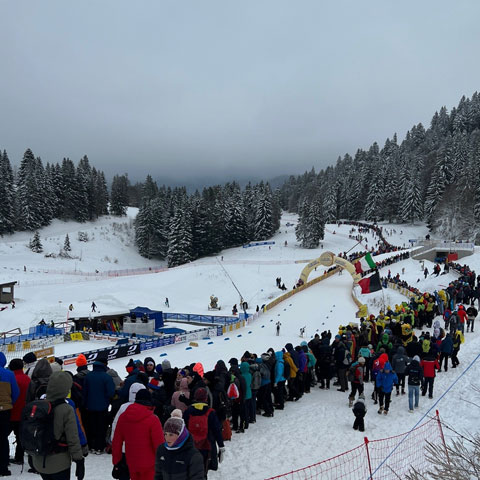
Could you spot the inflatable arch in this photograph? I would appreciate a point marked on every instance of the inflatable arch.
(328, 259)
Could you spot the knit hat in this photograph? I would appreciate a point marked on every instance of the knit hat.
(361, 360)
(144, 397)
(29, 357)
(166, 365)
(210, 376)
(159, 369)
(233, 361)
(130, 366)
(81, 360)
(201, 395)
(199, 368)
(174, 425)
(15, 364)
(417, 358)
(338, 337)
(177, 413)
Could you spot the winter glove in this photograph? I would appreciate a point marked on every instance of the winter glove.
(80, 470)
(221, 454)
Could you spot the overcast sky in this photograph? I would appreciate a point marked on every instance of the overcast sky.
(199, 89)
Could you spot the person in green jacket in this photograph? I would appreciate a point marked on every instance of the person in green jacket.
(246, 404)
(56, 466)
(385, 343)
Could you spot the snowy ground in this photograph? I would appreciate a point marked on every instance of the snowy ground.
(313, 429)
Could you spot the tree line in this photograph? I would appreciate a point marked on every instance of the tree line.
(433, 175)
(37, 194)
(180, 228)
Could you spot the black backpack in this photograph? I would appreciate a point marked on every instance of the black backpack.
(286, 370)
(224, 404)
(36, 428)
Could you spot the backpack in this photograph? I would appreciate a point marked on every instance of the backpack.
(224, 404)
(198, 427)
(348, 357)
(286, 370)
(264, 371)
(232, 392)
(36, 428)
(256, 378)
(351, 372)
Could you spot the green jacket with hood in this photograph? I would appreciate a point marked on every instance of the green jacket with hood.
(64, 428)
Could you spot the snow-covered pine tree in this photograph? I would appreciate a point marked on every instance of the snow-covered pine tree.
(149, 190)
(7, 196)
(101, 195)
(303, 232)
(66, 244)
(412, 207)
(316, 223)
(330, 203)
(119, 195)
(29, 198)
(235, 224)
(263, 213)
(35, 244)
(179, 239)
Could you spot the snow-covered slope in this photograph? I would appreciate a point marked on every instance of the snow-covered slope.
(316, 427)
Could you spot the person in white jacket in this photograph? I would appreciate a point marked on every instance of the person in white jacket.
(132, 393)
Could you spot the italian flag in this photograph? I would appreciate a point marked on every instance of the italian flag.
(370, 284)
(365, 263)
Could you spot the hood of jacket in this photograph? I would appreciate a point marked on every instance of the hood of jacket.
(401, 351)
(59, 385)
(387, 366)
(279, 356)
(288, 347)
(383, 359)
(244, 368)
(221, 367)
(99, 367)
(3, 359)
(136, 413)
(134, 389)
(42, 369)
(385, 338)
(184, 385)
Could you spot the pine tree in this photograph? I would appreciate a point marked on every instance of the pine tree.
(303, 232)
(119, 196)
(263, 213)
(412, 206)
(35, 244)
(66, 244)
(330, 204)
(7, 196)
(30, 207)
(179, 239)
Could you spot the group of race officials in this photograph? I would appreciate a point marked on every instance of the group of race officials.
(162, 422)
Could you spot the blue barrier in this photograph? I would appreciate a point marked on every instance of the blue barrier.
(190, 317)
(44, 330)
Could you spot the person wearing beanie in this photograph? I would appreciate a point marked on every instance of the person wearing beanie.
(200, 418)
(178, 458)
(414, 372)
(77, 387)
(140, 430)
(198, 368)
(359, 410)
(30, 361)
(169, 376)
(23, 381)
(39, 380)
(177, 413)
(81, 361)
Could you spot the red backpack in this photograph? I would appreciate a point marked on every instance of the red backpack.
(198, 427)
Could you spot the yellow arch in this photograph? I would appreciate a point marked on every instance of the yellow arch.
(328, 259)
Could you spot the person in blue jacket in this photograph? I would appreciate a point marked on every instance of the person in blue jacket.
(446, 349)
(385, 381)
(279, 382)
(98, 388)
(264, 394)
(9, 393)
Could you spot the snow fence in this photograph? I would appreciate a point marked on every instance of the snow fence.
(377, 459)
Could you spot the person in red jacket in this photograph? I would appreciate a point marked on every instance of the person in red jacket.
(429, 365)
(23, 381)
(141, 432)
(463, 317)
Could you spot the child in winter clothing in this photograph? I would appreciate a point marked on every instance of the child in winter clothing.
(359, 410)
(429, 365)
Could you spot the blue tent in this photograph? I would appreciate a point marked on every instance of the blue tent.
(151, 314)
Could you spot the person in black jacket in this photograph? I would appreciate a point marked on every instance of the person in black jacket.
(414, 372)
(177, 458)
